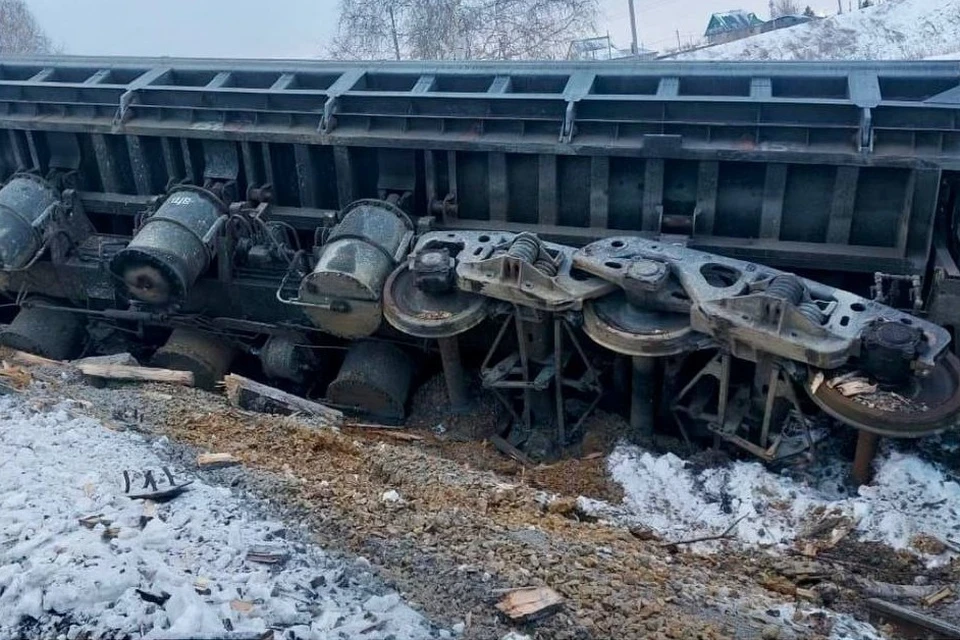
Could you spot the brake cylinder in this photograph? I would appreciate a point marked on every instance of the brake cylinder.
(26, 203)
(173, 248)
(343, 294)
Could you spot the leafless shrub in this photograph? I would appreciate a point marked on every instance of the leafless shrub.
(461, 29)
(785, 8)
(20, 33)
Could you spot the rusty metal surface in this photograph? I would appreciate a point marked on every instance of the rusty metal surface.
(922, 406)
(739, 306)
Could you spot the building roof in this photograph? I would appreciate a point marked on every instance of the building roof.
(734, 20)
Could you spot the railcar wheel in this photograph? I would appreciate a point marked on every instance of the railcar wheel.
(920, 407)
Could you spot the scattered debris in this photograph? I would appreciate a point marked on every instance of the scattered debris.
(889, 610)
(387, 433)
(530, 603)
(508, 449)
(391, 496)
(242, 606)
(930, 545)
(254, 396)
(825, 534)
(934, 598)
(216, 460)
(884, 590)
(110, 533)
(856, 387)
(92, 521)
(156, 485)
(15, 376)
(158, 599)
(267, 555)
(727, 533)
(202, 586)
(229, 635)
(138, 374)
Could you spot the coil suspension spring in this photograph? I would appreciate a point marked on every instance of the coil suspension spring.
(528, 248)
(788, 288)
(525, 247)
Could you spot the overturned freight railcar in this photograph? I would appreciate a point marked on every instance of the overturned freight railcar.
(743, 251)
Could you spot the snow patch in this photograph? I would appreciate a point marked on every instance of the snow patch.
(56, 573)
(894, 30)
(909, 497)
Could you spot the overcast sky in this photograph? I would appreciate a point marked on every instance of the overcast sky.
(302, 28)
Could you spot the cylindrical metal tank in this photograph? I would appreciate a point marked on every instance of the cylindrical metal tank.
(287, 358)
(25, 203)
(206, 355)
(374, 380)
(343, 293)
(50, 333)
(173, 248)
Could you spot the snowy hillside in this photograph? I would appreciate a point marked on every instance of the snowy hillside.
(894, 30)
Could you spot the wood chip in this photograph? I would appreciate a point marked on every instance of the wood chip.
(934, 598)
(202, 586)
(816, 382)
(111, 533)
(530, 603)
(833, 382)
(242, 606)
(92, 521)
(856, 388)
(216, 460)
(806, 594)
(15, 376)
(394, 435)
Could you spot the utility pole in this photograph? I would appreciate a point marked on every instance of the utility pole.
(393, 32)
(634, 47)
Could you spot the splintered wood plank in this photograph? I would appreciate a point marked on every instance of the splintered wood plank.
(254, 396)
(530, 603)
(140, 374)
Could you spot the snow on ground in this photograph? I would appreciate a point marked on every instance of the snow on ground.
(908, 497)
(894, 30)
(57, 576)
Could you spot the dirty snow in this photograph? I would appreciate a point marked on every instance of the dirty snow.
(909, 496)
(57, 576)
(894, 30)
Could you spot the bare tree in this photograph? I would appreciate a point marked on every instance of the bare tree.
(20, 32)
(785, 8)
(461, 29)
